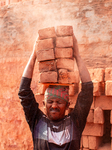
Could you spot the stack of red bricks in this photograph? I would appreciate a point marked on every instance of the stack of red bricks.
(55, 55)
(102, 100)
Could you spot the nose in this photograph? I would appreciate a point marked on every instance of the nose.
(54, 105)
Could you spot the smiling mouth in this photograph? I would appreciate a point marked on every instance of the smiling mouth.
(54, 110)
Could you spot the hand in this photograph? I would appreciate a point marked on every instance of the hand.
(28, 71)
(75, 47)
(34, 52)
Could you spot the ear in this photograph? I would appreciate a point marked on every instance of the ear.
(67, 106)
(44, 103)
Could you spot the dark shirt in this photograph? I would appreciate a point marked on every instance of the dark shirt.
(62, 135)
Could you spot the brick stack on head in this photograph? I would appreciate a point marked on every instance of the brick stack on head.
(55, 55)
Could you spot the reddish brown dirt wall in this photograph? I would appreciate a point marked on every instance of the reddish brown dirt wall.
(19, 25)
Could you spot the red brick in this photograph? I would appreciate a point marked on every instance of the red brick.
(63, 52)
(73, 77)
(67, 77)
(66, 41)
(94, 142)
(85, 141)
(43, 55)
(47, 66)
(64, 30)
(63, 76)
(102, 88)
(90, 118)
(93, 104)
(93, 129)
(72, 100)
(39, 99)
(108, 88)
(98, 115)
(45, 44)
(96, 90)
(41, 88)
(104, 102)
(97, 74)
(108, 74)
(50, 76)
(73, 89)
(65, 64)
(46, 33)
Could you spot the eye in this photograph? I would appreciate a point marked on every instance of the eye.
(59, 102)
(49, 101)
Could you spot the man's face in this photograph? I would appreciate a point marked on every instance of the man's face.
(55, 108)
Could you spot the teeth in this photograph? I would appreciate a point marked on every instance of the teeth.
(54, 111)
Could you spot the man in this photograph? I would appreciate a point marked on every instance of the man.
(53, 130)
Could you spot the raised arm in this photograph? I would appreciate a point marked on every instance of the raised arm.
(83, 72)
(28, 71)
(85, 96)
(30, 106)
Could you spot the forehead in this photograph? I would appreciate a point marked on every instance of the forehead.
(54, 99)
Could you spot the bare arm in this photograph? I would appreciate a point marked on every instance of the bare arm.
(83, 71)
(28, 71)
